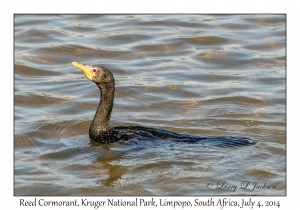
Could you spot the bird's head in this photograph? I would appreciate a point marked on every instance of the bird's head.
(96, 74)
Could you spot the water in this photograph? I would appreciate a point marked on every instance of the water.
(206, 75)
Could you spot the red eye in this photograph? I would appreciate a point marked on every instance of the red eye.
(94, 70)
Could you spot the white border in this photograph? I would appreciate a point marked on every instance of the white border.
(152, 6)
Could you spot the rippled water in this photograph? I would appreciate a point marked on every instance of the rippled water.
(206, 75)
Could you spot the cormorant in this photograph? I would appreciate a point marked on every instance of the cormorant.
(100, 131)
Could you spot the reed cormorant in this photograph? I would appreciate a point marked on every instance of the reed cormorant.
(101, 132)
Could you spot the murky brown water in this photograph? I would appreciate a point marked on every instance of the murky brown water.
(195, 74)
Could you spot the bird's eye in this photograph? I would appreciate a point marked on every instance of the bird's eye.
(94, 70)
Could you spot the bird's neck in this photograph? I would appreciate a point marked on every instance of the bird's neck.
(102, 116)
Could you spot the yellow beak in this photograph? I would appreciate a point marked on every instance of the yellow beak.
(88, 73)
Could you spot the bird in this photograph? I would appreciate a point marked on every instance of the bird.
(100, 131)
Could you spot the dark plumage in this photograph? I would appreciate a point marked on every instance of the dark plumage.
(103, 78)
(100, 131)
